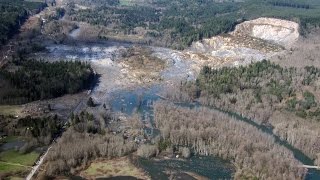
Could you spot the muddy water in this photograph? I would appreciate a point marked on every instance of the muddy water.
(139, 100)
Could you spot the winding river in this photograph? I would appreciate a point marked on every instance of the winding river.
(141, 99)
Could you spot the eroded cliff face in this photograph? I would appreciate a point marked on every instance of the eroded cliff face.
(250, 42)
(278, 31)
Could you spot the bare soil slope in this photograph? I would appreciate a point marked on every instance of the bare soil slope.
(278, 31)
(251, 41)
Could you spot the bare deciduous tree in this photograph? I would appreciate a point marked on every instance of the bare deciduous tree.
(208, 132)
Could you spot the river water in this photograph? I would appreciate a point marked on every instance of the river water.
(141, 100)
(210, 167)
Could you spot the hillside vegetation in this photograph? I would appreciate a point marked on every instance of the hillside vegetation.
(31, 80)
(179, 23)
(13, 13)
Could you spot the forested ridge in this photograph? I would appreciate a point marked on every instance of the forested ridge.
(179, 23)
(174, 22)
(32, 80)
(13, 13)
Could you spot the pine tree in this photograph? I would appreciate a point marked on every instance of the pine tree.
(90, 102)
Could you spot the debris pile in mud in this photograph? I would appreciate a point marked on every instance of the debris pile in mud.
(141, 64)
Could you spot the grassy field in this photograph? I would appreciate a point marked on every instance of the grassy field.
(9, 139)
(15, 157)
(12, 161)
(113, 168)
(7, 168)
(16, 178)
(11, 110)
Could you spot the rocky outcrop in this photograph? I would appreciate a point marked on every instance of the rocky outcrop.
(278, 31)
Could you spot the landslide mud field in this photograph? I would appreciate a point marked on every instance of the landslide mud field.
(123, 66)
(251, 41)
(136, 71)
(120, 70)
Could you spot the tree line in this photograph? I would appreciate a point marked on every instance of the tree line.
(290, 4)
(283, 99)
(91, 140)
(208, 132)
(13, 13)
(34, 80)
(38, 131)
(264, 80)
(177, 24)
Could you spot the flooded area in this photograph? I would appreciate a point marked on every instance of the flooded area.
(138, 100)
(206, 167)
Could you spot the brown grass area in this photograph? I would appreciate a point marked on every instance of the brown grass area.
(112, 168)
(14, 110)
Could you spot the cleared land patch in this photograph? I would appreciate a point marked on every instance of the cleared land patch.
(18, 158)
(13, 162)
(112, 168)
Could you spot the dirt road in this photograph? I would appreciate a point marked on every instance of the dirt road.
(38, 164)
